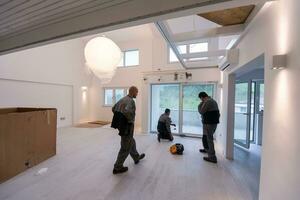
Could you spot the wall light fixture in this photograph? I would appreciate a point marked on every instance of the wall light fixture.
(279, 62)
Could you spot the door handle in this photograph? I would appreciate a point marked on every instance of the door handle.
(245, 113)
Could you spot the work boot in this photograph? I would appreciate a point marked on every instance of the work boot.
(121, 170)
(140, 158)
(202, 150)
(210, 159)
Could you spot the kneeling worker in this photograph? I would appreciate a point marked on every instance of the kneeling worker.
(163, 126)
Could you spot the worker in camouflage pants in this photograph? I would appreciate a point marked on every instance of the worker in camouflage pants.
(126, 106)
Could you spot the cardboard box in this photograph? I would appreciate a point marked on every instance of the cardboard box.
(27, 137)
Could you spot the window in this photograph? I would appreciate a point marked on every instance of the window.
(113, 95)
(182, 49)
(197, 59)
(119, 94)
(198, 47)
(187, 49)
(130, 58)
(121, 63)
(108, 96)
(172, 56)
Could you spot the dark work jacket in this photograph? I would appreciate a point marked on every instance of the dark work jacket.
(211, 117)
(163, 131)
(209, 111)
(161, 127)
(120, 122)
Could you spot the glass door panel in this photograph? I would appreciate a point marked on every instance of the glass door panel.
(191, 119)
(242, 114)
(165, 96)
(252, 112)
(260, 112)
(261, 96)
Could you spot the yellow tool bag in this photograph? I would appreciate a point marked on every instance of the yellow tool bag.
(177, 149)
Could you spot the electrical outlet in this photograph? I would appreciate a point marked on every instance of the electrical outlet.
(63, 118)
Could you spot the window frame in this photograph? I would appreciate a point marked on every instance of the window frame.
(195, 43)
(125, 89)
(187, 44)
(124, 58)
(104, 97)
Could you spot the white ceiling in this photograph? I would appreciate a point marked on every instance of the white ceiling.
(226, 42)
(189, 24)
(197, 24)
(141, 32)
(192, 23)
(177, 25)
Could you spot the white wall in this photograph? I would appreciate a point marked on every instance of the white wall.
(32, 94)
(276, 30)
(257, 74)
(44, 72)
(153, 56)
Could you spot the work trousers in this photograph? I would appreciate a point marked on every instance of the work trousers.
(165, 135)
(208, 139)
(128, 146)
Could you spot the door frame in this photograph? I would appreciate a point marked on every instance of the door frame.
(180, 118)
(230, 80)
(150, 118)
(248, 114)
(215, 84)
(257, 112)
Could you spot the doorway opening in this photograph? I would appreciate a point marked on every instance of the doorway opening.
(248, 114)
(182, 99)
(249, 104)
(248, 107)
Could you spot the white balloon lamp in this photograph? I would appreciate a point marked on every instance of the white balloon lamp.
(102, 56)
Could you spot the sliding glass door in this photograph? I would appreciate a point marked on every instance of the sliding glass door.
(183, 101)
(165, 96)
(259, 112)
(248, 116)
(191, 119)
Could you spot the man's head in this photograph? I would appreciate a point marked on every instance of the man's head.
(133, 91)
(167, 111)
(203, 96)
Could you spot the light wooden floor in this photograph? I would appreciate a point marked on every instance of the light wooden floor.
(82, 169)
